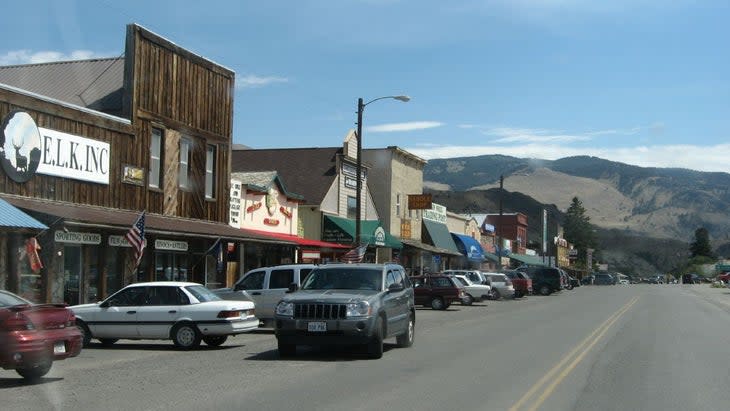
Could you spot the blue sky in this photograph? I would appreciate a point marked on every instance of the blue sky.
(645, 82)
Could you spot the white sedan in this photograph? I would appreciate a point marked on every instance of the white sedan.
(185, 313)
(474, 292)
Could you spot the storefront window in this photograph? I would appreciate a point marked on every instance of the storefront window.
(171, 267)
(30, 282)
(114, 270)
(71, 274)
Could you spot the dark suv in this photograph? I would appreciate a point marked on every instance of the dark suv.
(348, 304)
(545, 280)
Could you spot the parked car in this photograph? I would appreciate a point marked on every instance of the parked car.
(32, 336)
(588, 279)
(266, 286)
(474, 291)
(183, 312)
(573, 282)
(475, 276)
(348, 304)
(724, 277)
(521, 282)
(604, 279)
(545, 280)
(501, 285)
(437, 291)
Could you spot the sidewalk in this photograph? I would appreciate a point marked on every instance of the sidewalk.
(718, 296)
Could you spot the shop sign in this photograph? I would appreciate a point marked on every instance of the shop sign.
(133, 175)
(171, 245)
(118, 241)
(436, 213)
(419, 201)
(71, 237)
(405, 229)
(28, 149)
(379, 235)
(311, 254)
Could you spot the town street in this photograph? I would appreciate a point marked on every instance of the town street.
(637, 347)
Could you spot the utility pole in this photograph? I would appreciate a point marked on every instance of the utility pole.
(499, 224)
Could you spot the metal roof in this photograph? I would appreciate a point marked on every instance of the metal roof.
(13, 217)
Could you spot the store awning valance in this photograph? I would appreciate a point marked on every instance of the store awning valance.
(528, 259)
(342, 230)
(439, 235)
(469, 247)
(428, 247)
(12, 217)
(491, 256)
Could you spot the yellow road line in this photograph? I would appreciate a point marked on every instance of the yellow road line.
(604, 326)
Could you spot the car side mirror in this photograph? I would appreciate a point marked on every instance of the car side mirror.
(104, 304)
(293, 287)
(396, 287)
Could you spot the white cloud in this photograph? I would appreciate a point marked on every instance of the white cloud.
(527, 135)
(252, 81)
(17, 57)
(701, 158)
(413, 125)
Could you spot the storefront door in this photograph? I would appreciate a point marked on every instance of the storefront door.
(171, 267)
(72, 273)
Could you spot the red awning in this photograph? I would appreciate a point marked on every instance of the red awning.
(306, 242)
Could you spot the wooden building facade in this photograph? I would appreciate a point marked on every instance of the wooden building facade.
(154, 136)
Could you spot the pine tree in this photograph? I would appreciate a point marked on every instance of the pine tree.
(701, 246)
(578, 229)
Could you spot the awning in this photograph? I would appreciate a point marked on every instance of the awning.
(428, 247)
(100, 217)
(469, 247)
(342, 230)
(528, 259)
(305, 242)
(14, 218)
(491, 256)
(440, 236)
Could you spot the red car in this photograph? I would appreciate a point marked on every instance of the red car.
(521, 281)
(32, 336)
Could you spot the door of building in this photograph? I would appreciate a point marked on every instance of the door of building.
(72, 274)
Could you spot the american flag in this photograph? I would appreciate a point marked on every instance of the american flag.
(135, 237)
(355, 255)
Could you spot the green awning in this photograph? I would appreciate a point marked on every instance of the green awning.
(342, 230)
(440, 235)
(491, 256)
(528, 259)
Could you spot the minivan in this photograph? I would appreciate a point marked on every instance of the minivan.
(266, 286)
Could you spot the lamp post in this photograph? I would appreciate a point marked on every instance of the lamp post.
(358, 200)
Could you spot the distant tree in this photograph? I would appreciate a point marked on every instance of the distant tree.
(701, 245)
(579, 230)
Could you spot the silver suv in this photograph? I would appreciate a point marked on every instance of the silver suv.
(348, 304)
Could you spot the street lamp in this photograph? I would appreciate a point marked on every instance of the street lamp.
(358, 200)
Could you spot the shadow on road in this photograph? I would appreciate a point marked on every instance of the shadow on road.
(319, 354)
(155, 347)
(21, 382)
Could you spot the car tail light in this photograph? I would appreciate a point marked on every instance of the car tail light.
(18, 322)
(229, 314)
(71, 320)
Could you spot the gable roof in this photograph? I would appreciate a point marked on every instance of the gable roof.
(95, 84)
(262, 181)
(310, 171)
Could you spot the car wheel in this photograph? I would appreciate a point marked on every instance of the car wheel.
(286, 350)
(107, 342)
(569, 287)
(215, 340)
(36, 372)
(467, 300)
(496, 295)
(375, 346)
(406, 339)
(437, 303)
(186, 336)
(85, 333)
(544, 290)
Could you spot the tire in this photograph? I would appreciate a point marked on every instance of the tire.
(85, 332)
(215, 340)
(437, 303)
(108, 342)
(518, 294)
(406, 339)
(35, 373)
(544, 290)
(496, 295)
(185, 336)
(286, 350)
(467, 300)
(375, 346)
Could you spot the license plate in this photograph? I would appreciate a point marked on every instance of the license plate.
(317, 327)
(59, 347)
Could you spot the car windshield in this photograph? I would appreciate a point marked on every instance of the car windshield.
(202, 294)
(344, 279)
(9, 300)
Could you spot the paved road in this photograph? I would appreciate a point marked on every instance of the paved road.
(639, 347)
